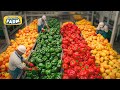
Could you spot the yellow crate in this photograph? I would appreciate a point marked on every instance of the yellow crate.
(77, 17)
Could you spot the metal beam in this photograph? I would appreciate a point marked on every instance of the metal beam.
(108, 18)
(88, 15)
(92, 17)
(5, 30)
(25, 18)
(118, 28)
(41, 15)
(31, 18)
(118, 31)
(101, 16)
(114, 28)
(23, 15)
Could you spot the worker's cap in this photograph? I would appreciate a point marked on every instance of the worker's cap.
(44, 17)
(101, 24)
(21, 48)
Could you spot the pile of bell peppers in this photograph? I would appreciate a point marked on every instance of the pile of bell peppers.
(77, 62)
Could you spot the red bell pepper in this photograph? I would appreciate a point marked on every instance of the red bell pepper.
(77, 68)
(65, 66)
(99, 77)
(64, 46)
(65, 42)
(71, 73)
(80, 63)
(90, 61)
(65, 76)
(92, 77)
(67, 59)
(91, 70)
(70, 52)
(73, 63)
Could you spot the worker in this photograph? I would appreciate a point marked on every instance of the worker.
(106, 28)
(16, 65)
(41, 23)
(107, 32)
(100, 27)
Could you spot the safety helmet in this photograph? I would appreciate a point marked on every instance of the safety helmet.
(44, 17)
(21, 48)
(101, 24)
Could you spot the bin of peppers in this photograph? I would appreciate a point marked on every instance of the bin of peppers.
(77, 60)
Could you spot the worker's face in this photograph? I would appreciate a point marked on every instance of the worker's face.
(101, 26)
(43, 20)
(20, 53)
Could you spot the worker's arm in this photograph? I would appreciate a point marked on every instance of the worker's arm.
(26, 68)
(22, 66)
(28, 63)
(47, 26)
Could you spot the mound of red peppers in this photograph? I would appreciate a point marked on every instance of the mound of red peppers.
(77, 60)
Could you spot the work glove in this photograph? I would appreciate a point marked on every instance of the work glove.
(31, 64)
(30, 69)
(43, 30)
(34, 68)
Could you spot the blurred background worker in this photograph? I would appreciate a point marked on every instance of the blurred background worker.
(100, 27)
(16, 62)
(103, 30)
(41, 23)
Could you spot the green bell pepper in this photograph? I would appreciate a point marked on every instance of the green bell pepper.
(41, 65)
(58, 76)
(28, 78)
(54, 69)
(34, 72)
(43, 71)
(48, 65)
(48, 72)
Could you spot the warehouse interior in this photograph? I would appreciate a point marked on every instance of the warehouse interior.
(72, 45)
(108, 17)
